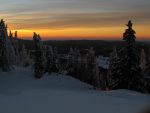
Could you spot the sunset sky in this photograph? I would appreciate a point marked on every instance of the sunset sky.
(76, 19)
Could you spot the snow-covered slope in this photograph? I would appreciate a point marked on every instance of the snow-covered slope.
(20, 92)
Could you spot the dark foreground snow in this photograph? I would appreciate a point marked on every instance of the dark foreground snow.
(20, 92)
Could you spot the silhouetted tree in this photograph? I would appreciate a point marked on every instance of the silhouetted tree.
(128, 74)
(38, 57)
(4, 56)
(16, 44)
(132, 72)
(129, 35)
(12, 56)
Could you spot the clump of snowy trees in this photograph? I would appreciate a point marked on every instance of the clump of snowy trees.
(128, 68)
(4, 52)
(83, 65)
(11, 53)
(79, 64)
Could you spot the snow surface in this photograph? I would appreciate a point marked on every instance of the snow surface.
(20, 92)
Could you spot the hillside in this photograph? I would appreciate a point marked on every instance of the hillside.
(20, 92)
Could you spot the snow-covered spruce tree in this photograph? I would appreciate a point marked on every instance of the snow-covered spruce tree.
(92, 68)
(71, 60)
(132, 72)
(50, 59)
(85, 67)
(38, 57)
(128, 73)
(25, 59)
(71, 57)
(97, 75)
(74, 63)
(78, 63)
(55, 61)
(16, 45)
(147, 73)
(4, 56)
(12, 55)
(143, 60)
(113, 69)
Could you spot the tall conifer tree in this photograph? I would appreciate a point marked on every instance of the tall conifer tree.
(4, 56)
(147, 73)
(49, 57)
(38, 56)
(128, 74)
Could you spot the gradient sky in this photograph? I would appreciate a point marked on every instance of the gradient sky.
(76, 19)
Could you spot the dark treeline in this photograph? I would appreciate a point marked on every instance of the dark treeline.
(101, 47)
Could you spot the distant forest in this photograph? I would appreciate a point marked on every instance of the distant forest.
(100, 47)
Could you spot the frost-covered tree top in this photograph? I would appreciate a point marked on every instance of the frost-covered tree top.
(129, 35)
(3, 33)
(35, 37)
(11, 36)
(3, 29)
(16, 35)
(2, 24)
(4, 48)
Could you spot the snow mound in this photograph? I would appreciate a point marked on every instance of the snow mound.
(20, 92)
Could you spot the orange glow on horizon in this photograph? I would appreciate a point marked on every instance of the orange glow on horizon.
(84, 33)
